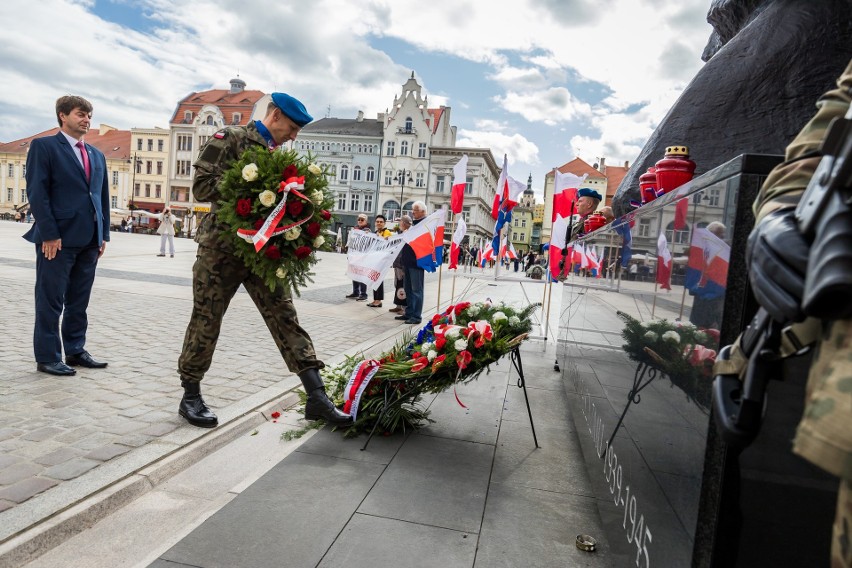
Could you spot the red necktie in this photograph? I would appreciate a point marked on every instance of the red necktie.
(85, 155)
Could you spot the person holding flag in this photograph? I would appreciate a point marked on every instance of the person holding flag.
(414, 274)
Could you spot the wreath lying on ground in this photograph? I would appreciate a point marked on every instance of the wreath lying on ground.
(278, 209)
(453, 347)
(685, 353)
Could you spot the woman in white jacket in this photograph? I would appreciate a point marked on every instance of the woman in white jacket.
(166, 230)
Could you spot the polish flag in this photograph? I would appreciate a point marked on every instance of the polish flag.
(455, 245)
(459, 183)
(501, 189)
(564, 192)
(514, 190)
(664, 263)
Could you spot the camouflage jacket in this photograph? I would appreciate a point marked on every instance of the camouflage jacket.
(215, 157)
(824, 435)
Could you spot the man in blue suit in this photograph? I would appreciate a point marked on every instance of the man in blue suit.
(68, 192)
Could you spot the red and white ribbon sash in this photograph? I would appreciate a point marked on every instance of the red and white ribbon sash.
(270, 226)
(358, 381)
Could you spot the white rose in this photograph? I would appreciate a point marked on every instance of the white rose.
(427, 346)
(651, 336)
(431, 355)
(267, 198)
(453, 332)
(292, 233)
(460, 344)
(315, 169)
(473, 311)
(317, 197)
(498, 316)
(281, 273)
(514, 320)
(250, 172)
(319, 241)
(672, 336)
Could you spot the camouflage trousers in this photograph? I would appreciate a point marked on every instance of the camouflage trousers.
(216, 277)
(824, 435)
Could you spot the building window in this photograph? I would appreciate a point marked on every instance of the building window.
(389, 148)
(11, 170)
(138, 166)
(187, 117)
(136, 190)
(114, 177)
(421, 150)
(368, 202)
(371, 174)
(468, 185)
(714, 194)
(139, 144)
(159, 168)
(439, 184)
(344, 173)
(202, 140)
(420, 179)
(159, 145)
(209, 120)
(150, 144)
(113, 201)
(147, 190)
(355, 202)
(149, 167)
(403, 148)
(680, 237)
(237, 118)
(184, 142)
(341, 201)
(158, 191)
(183, 167)
(10, 194)
(388, 177)
(517, 222)
(408, 124)
(466, 214)
(522, 237)
(24, 170)
(356, 173)
(644, 228)
(23, 196)
(523, 223)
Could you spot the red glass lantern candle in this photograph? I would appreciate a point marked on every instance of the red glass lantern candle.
(674, 170)
(648, 185)
(593, 222)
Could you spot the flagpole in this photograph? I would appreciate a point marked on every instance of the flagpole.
(656, 284)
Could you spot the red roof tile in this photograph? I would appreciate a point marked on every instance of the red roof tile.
(578, 167)
(436, 114)
(614, 175)
(229, 103)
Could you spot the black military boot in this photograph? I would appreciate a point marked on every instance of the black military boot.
(192, 406)
(319, 405)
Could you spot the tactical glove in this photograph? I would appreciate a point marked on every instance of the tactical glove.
(777, 257)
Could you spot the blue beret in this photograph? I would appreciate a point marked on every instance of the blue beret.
(586, 192)
(292, 108)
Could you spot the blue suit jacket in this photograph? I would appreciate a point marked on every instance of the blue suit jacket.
(62, 202)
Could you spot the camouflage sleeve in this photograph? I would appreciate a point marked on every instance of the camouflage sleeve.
(785, 184)
(213, 159)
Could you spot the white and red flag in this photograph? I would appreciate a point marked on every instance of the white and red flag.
(459, 183)
(564, 196)
(455, 245)
(501, 189)
(664, 263)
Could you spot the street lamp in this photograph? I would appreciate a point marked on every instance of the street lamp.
(400, 178)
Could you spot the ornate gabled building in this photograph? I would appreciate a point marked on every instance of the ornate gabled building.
(411, 128)
(350, 150)
(196, 118)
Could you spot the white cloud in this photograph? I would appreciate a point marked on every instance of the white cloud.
(518, 148)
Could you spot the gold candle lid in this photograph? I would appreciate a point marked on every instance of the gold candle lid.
(677, 151)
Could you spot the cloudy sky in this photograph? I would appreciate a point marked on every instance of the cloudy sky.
(543, 81)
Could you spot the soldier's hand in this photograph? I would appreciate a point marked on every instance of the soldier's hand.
(777, 257)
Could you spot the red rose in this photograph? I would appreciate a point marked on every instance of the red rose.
(313, 229)
(290, 171)
(463, 359)
(258, 224)
(294, 207)
(462, 307)
(416, 355)
(325, 214)
(302, 252)
(440, 342)
(273, 252)
(243, 207)
(436, 319)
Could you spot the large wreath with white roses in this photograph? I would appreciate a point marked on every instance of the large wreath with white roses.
(278, 209)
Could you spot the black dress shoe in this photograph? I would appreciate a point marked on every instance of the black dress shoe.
(84, 360)
(57, 368)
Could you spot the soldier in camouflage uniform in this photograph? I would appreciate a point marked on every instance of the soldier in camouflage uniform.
(218, 274)
(824, 435)
(587, 201)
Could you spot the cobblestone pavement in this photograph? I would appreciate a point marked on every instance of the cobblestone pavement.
(65, 438)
